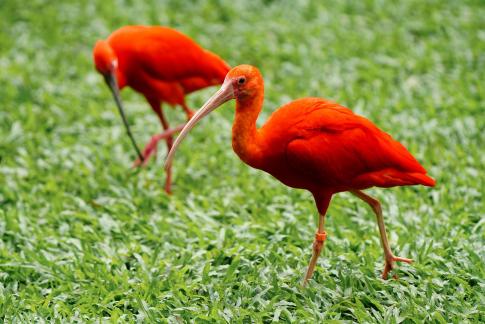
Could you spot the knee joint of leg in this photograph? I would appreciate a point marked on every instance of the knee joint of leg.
(321, 237)
(376, 206)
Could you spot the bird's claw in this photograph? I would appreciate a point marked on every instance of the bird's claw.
(390, 260)
(149, 150)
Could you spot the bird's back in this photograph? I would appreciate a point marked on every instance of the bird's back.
(314, 143)
(167, 55)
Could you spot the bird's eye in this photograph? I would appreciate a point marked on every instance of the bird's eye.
(241, 80)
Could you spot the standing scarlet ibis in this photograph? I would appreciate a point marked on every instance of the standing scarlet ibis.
(163, 65)
(317, 145)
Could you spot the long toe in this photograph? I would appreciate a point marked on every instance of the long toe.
(149, 151)
(390, 264)
(139, 163)
(399, 259)
(146, 158)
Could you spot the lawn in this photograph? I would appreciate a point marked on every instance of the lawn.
(85, 238)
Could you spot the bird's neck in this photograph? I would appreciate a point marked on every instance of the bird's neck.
(246, 141)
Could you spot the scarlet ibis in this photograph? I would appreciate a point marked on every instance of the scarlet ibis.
(163, 65)
(317, 145)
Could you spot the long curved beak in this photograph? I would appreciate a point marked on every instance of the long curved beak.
(224, 94)
(110, 80)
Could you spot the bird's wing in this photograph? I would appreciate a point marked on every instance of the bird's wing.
(167, 54)
(336, 146)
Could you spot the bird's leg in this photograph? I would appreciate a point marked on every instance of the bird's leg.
(320, 238)
(151, 147)
(390, 258)
(189, 112)
(169, 140)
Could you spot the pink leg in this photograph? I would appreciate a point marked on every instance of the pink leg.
(389, 257)
(189, 112)
(322, 201)
(151, 147)
(320, 238)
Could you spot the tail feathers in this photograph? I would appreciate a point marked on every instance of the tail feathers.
(390, 178)
(218, 65)
(422, 179)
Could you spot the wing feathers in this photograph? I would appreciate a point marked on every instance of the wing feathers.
(338, 147)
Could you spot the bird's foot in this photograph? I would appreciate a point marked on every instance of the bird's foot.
(390, 260)
(149, 150)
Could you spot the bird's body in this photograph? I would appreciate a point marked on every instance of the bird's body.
(163, 65)
(317, 145)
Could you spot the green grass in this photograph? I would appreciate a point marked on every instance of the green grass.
(85, 238)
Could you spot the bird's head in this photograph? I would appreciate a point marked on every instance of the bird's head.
(242, 83)
(106, 63)
(244, 80)
(104, 57)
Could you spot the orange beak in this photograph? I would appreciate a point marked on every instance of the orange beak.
(224, 94)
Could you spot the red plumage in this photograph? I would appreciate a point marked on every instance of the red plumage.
(163, 65)
(317, 145)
